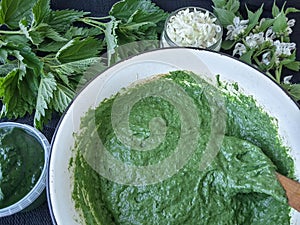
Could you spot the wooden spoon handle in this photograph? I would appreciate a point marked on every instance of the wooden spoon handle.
(292, 189)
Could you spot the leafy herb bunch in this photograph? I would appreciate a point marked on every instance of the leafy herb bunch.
(44, 53)
(263, 42)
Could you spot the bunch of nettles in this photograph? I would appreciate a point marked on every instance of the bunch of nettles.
(45, 54)
(262, 42)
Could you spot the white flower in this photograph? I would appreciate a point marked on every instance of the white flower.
(287, 79)
(239, 49)
(270, 35)
(291, 22)
(266, 57)
(253, 40)
(236, 28)
(283, 48)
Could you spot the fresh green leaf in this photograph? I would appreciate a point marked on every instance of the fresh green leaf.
(253, 18)
(265, 24)
(3, 55)
(21, 66)
(275, 10)
(53, 35)
(31, 60)
(13, 104)
(61, 20)
(247, 57)
(78, 49)
(51, 46)
(11, 12)
(23, 27)
(41, 10)
(45, 93)
(280, 23)
(233, 6)
(219, 3)
(6, 68)
(16, 40)
(228, 44)
(75, 67)
(225, 17)
(62, 98)
(94, 69)
(293, 65)
(82, 32)
(28, 88)
(291, 10)
(293, 90)
(146, 10)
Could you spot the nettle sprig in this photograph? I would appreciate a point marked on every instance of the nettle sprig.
(262, 42)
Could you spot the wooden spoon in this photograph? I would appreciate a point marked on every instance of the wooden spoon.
(292, 189)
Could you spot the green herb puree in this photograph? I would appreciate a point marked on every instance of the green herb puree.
(238, 187)
(21, 164)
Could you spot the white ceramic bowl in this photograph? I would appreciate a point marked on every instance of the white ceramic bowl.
(207, 63)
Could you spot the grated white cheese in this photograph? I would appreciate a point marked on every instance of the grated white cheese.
(193, 28)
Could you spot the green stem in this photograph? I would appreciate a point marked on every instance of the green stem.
(100, 18)
(11, 32)
(256, 61)
(278, 73)
(94, 23)
(270, 75)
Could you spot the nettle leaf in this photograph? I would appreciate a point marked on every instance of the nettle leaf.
(31, 60)
(41, 10)
(7, 67)
(78, 49)
(280, 23)
(52, 34)
(23, 27)
(82, 32)
(14, 105)
(3, 55)
(16, 40)
(8, 85)
(28, 88)
(11, 12)
(225, 17)
(61, 20)
(147, 11)
(62, 97)
(45, 93)
(136, 31)
(51, 46)
(75, 67)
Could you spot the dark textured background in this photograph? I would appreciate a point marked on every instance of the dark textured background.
(41, 215)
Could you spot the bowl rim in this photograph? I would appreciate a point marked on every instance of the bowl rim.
(40, 185)
(49, 201)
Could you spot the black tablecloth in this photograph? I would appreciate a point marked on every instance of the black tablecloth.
(41, 215)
